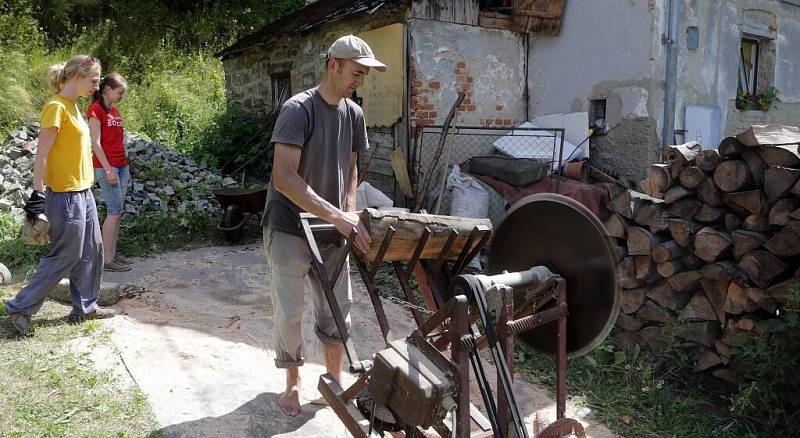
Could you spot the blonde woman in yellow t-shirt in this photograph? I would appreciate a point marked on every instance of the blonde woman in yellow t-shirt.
(62, 179)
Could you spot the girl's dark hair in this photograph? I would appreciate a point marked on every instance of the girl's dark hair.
(113, 80)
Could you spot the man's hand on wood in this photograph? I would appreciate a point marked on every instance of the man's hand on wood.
(352, 220)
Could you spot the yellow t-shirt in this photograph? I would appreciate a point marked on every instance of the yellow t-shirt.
(69, 164)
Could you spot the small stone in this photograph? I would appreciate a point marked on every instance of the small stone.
(110, 293)
(228, 181)
(5, 274)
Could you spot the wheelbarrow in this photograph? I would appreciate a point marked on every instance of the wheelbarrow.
(239, 204)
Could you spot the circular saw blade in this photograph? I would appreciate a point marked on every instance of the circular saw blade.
(552, 230)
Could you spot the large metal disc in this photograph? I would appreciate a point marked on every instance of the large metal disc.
(560, 233)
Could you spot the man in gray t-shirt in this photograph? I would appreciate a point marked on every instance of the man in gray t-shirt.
(316, 136)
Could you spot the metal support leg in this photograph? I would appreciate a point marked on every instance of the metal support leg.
(506, 340)
(561, 371)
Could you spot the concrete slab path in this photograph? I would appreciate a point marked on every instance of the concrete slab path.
(198, 344)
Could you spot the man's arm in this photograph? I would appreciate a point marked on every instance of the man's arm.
(289, 183)
(352, 184)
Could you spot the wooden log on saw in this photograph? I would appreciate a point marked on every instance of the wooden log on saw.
(409, 228)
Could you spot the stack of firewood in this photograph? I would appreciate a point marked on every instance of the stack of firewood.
(710, 244)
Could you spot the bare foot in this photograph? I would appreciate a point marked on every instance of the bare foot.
(289, 402)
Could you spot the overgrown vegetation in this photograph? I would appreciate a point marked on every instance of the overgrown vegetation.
(165, 49)
(772, 363)
(638, 393)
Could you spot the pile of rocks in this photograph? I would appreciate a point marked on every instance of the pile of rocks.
(162, 179)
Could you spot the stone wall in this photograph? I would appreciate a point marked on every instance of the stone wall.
(248, 74)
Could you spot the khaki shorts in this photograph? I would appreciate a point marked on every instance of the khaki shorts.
(291, 276)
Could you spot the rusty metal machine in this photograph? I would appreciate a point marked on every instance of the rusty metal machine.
(550, 281)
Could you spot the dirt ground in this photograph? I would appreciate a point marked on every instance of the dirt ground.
(197, 342)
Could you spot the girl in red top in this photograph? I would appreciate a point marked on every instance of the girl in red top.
(110, 163)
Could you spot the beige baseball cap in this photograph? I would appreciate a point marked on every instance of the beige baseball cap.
(353, 47)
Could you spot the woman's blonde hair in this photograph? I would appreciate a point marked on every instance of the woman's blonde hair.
(78, 65)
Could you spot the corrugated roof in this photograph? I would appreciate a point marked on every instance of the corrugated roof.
(304, 19)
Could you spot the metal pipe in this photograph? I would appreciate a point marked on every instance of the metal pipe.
(670, 39)
(533, 276)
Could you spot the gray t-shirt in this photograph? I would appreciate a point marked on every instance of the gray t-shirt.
(327, 135)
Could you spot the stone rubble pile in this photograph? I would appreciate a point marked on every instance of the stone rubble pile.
(162, 179)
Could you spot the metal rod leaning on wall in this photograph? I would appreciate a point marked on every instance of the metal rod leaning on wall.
(369, 161)
(423, 190)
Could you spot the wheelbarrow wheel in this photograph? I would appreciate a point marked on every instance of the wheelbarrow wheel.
(231, 218)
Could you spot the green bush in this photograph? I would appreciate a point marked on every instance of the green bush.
(772, 362)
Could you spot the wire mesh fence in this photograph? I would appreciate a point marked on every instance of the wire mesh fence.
(464, 142)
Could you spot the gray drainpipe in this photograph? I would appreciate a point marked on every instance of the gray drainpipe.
(670, 39)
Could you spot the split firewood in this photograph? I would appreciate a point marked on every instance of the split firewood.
(707, 160)
(691, 177)
(710, 215)
(756, 165)
(653, 338)
(659, 179)
(616, 226)
(699, 309)
(782, 211)
(709, 193)
(716, 290)
(683, 231)
(733, 175)
(732, 222)
(725, 351)
(781, 155)
(747, 202)
(737, 301)
(704, 332)
(755, 222)
(632, 300)
(795, 189)
(621, 204)
(685, 281)
(762, 267)
(651, 311)
(710, 244)
(745, 241)
(763, 300)
(626, 274)
(618, 253)
(759, 135)
(677, 192)
(734, 376)
(641, 241)
(786, 242)
(680, 156)
(653, 216)
(644, 266)
(685, 208)
(664, 295)
(692, 262)
(779, 180)
(669, 268)
(665, 251)
(730, 147)
(629, 323)
(707, 360)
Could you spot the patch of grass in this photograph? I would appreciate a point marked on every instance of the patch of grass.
(48, 390)
(636, 393)
(160, 232)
